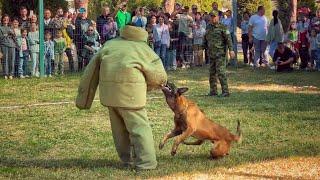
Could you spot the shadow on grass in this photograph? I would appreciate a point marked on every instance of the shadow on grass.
(296, 110)
(247, 75)
(61, 163)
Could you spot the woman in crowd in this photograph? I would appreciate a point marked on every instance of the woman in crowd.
(7, 46)
(161, 39)
(139, 19)
(247, 47)
(275, 33)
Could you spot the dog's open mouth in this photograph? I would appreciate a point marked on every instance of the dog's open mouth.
(169, 88)
(166, 87)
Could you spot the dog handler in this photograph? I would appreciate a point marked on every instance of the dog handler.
(125, 69)
(217, 39)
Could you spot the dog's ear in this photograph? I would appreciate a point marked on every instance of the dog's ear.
(182, 90)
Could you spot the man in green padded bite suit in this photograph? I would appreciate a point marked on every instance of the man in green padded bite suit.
(125, 69)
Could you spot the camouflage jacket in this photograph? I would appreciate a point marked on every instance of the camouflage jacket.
(217, 38)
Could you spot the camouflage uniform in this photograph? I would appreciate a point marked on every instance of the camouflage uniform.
(217, 39)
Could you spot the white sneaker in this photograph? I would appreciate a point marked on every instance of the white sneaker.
(5, 77)
(50, 76)
(272, 67)
(10, 77)
(21, 77)
(26, 76)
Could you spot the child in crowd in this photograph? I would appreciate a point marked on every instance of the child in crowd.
(68, 51)
(246, 45)
(292, 37)
(17, 31)
(34, 49)
(198, 35)
(15, 27)
(24, 46)
(303, 46)
(94, 25)
(172, 51)
(60, 46)
(48, 53)
(317, 67)
(109, 30)
(313, 48)
(91, 44)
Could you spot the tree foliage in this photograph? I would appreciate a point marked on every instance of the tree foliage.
(204, 5)
(11, 7)
(284, 9)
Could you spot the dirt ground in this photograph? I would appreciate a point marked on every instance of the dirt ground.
(291, 168)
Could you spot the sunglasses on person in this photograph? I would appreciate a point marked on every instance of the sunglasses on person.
(90, 30)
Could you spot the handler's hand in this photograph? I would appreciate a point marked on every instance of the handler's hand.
(232, 54)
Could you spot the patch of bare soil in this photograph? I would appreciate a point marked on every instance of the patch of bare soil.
(290, 168)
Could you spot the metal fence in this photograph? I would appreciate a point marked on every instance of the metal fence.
(182, 52)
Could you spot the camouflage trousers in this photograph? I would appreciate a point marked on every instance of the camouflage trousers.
(218, 70)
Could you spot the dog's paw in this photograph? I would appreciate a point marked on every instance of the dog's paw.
(161, 145)
(173, 153)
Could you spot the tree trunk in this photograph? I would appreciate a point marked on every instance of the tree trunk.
(169, 5)
(294, 7)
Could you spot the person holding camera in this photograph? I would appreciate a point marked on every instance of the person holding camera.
(283, 58)
(123, 17)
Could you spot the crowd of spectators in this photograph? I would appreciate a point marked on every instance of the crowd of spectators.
(177, 38)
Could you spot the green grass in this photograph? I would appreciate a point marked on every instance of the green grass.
(279, 115)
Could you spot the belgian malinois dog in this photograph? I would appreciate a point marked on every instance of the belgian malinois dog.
(189, 120)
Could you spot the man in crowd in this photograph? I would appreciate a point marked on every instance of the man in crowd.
(194, 10)
(185, 22)
(123, 17)
(23, 19)
(82, 24)
(258, 27)
(215, 8)
(49, 24)
(217, 40)
(102, 20)
(283, 58)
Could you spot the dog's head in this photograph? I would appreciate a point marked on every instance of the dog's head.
(172, 93)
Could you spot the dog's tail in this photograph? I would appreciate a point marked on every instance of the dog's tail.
(238, 137)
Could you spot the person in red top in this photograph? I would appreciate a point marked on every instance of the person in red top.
(303, 46)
